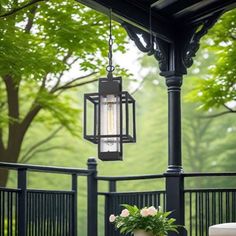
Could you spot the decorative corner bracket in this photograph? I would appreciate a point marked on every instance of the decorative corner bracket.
(178, 55)
(193, 37)
(151, 46)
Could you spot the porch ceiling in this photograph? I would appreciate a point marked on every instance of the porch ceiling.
(167, 15)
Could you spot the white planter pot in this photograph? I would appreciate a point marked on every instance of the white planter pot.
(142, 233)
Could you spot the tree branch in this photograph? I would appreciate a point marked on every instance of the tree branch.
(66, 57)
(2, 148)
(218, 114)
(29, 118)
(138, 88)
(12, 97)
(71, 82)
(31, 17)
(40, 143)
(228, 108)
(229, 111)
(15, 10)
(43, 150)
(63, 88)
(12, 89)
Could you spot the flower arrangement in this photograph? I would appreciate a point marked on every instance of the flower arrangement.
(148, 219)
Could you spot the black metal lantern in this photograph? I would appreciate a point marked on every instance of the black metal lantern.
(113, 120)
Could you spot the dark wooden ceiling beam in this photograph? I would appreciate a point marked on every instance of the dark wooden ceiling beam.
(207, 11)
(123, 11)
(161, 4)
(183, 6)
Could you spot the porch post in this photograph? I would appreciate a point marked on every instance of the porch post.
(74, 187)
(22, 211)
(174, 56)
(174, 82)
(174, 179)
(92, 221)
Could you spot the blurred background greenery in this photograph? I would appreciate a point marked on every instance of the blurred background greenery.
(48, 45)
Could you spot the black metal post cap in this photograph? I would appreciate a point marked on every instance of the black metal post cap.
(92, 161)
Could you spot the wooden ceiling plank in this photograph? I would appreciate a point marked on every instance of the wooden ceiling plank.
(202, 14)
(125, 12)
(194, 8)
(160, 4)
(175, 6)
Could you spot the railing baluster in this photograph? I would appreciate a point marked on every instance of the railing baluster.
(227, 207)
(190, 213)
(11, 208)
(22, 217)
(74, 204)
(92, 198)
(233, 210)
(8, 213)
(207, 213)
(3, 213)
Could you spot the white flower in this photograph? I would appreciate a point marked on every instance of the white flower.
(112, 218)
(152, 211)
(144, 212)
(124, 213)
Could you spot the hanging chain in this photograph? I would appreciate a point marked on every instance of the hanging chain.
(110, 68)
(150, 27)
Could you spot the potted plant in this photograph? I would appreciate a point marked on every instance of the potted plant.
(147, 221)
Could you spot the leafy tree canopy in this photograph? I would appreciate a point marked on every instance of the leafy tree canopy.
(40, 42)
(217, 86)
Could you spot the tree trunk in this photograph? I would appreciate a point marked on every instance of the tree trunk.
(3, 177)
(7, 156)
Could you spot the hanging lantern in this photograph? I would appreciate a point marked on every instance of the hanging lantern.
(109, 115)
(113, 120)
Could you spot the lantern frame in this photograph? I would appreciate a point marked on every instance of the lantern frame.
(111, 86)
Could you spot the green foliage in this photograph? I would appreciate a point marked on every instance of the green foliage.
(217, 87)
(40, 47)
(148, 219)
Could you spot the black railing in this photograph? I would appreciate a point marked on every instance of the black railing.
(8, 212)
(209, 206)
(206, 207)
(49, 213)
(114, 200)
(203, 207)
(28, 212)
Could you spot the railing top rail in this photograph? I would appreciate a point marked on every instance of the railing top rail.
(49, 169)
(209, 190)
(209, 174)
(132, 193)
(133, 177)
(159, 176)
(45, 191)
(9, 189)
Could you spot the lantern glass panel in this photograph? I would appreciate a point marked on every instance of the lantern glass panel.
(124, 118)
(131, 119)
(110, 145)
(109, 123)
(91, 117)
(90, 110)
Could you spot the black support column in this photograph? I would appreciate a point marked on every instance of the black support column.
(174, 179)
(174, 57)
(92, 218)
(174, 83)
